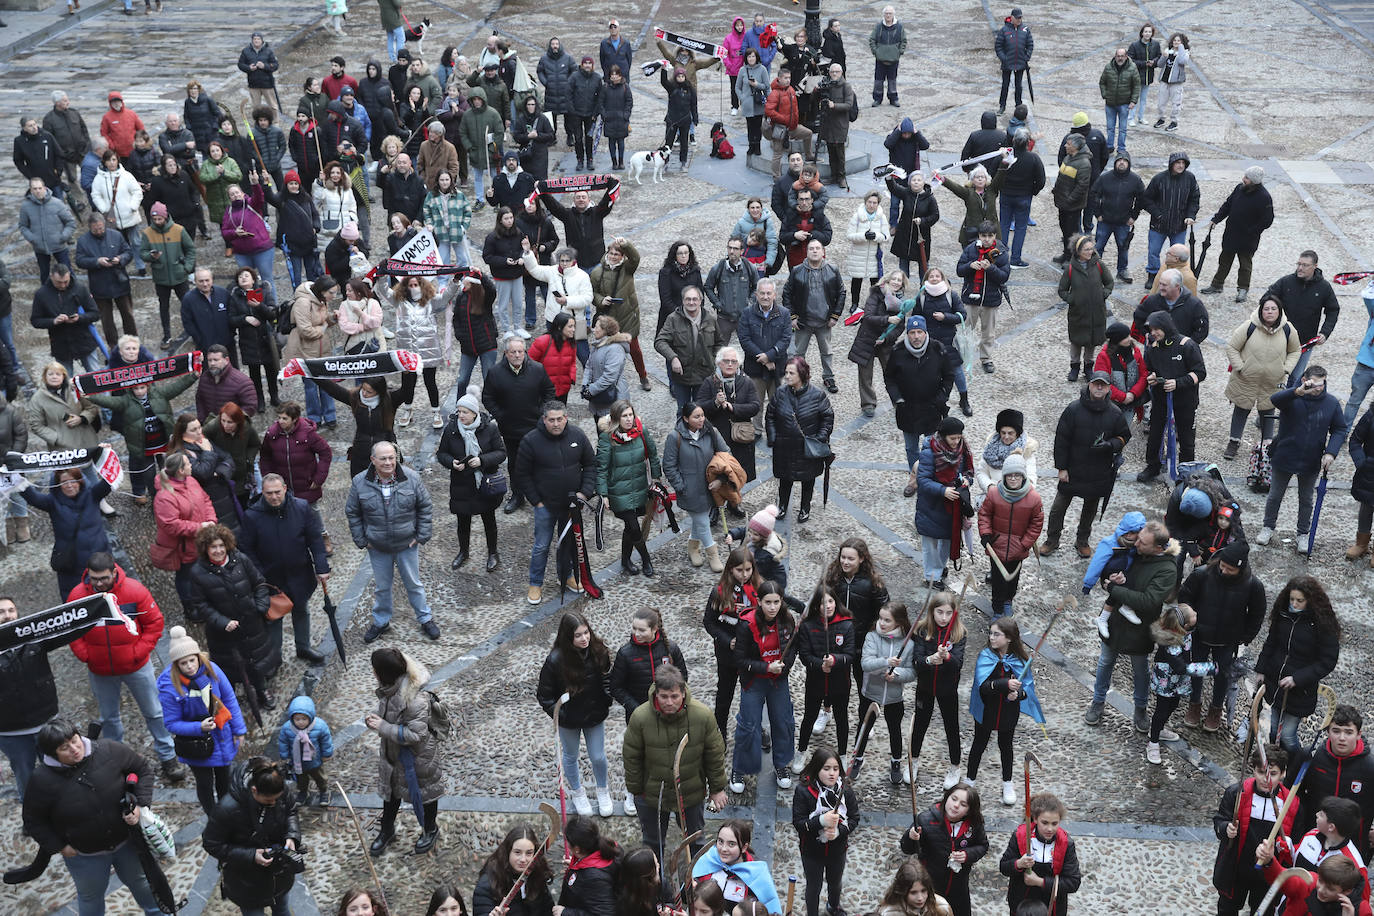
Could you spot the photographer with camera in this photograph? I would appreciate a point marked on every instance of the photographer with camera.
(254, 835)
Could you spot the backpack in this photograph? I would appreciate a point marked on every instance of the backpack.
(1259, 475)
(440, 718)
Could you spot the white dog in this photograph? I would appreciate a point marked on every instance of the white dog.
(659, 158)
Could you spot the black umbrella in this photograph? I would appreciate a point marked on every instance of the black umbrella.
(1202, 258)
(332, 613)
(157, 879)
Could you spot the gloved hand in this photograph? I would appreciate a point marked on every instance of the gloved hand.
(586, 393)
(988, 538)
(870, 235)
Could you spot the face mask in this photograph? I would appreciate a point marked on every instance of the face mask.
(415, 293)
(1294, 610)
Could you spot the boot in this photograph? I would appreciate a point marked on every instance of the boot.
(1073, 373)
(1357, 550)
(1232, 449)
(694, 552)
(382, 841)
(646, 564)
(627, 563)
(909, 490)
(964, 404)
(1193, 717)
(328, 546)
(1150, 279)
(713, 559)
(1213, 721)
(427, 840)
(1087, 371)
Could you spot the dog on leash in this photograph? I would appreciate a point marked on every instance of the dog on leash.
(658, 158)
(416, 33)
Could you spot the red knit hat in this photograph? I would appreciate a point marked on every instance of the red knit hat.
(292, 175)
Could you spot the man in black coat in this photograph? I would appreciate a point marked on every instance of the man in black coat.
(1116, 199)
(338, 125)
(513, 392)
(1187, 311)
(1096, 144)
(403, 191)
(1175, 366)
(555, 462)
(65, 309)
(1172, 199)
(584, 226)
(1248, 212)
(73, 808)
(987, 138)
(285, 537)
(1087, 447)
(73, 137)
(511, 185)
(1230, 604)
(918, 376)
(105, 257)
(1308, 301)
(37, 155)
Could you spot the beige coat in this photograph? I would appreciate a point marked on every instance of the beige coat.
(310, 337)
(1189, 278)
(1261, 362)
(47, 414)
(405, 708)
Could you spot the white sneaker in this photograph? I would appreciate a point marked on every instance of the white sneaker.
(605, 807)
(909, 772)
(798, 764)
(438, 421)
(971, 782)
(734, 112)
(1168, 734)
(736, 785)
(581, 803)
(952, 777)
(819, 727)
(1152, 753)
(784, 780)
(1265, 536)
(1129, 614)
(1102, 628)
(1301, 543)
(630, 804)
(403, 414)
(1008, 793)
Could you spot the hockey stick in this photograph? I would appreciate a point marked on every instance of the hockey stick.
(367, 857)
(554, 830)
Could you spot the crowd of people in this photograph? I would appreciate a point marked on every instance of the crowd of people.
(546, 318)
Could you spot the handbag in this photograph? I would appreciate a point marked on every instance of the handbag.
(494, 484)
(193, 747)
(742, 431)
(814, 448)
(279, 605)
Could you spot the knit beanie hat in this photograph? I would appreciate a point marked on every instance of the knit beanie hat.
(950, 426)
(349, 231)
(180, 645)
(1255, 173)
(159, 209)
(1236, 553)
(1080, 119)
(1014, 464)
(472, 400)
(1118, 330)
(1195, 503)
(291, 175)
(764, 520)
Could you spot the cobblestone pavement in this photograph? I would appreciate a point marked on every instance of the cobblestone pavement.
(1144, 832)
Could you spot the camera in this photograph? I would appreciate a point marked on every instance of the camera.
(285, 861)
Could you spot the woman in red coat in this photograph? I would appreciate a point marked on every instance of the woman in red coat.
(1009, 522)
(556, 351)
(1122, 359)
(182, 508)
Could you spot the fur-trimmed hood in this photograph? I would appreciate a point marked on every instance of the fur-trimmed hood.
(1164, 636)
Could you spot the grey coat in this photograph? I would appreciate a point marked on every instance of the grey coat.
(747, 106)
(731, 289)
(835, 121)
(605, 371)
(47, 225)
(389, 525)
(684, 464)
(404, 707)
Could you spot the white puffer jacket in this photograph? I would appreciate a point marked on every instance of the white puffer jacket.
(861, 261)
(118, 191)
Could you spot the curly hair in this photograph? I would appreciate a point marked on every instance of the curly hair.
(1318, 605)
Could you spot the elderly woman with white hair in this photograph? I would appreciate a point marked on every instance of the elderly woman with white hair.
(731, 402)
(979, 197)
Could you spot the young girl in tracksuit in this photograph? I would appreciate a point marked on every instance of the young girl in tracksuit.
(632, 672)
(887, 668)
(827, 651)
(824, 812)
(1001, 681)
(948, 838)
(854, 578)
(940, 641)
(736, 594)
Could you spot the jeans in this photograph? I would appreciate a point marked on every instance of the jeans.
(1122, 236)
(62, 256)
(1284, 728)
(801, 342)
(934, 556)
(384, 566)
(318, 408)
(303, 266)
(1140, 676)
(1307, 484)
(280, 907)
(508, 305)
(91, 875)
(480, 174)
(467, 363)
(7, 337)
(1139, 113)
(701, 528)
(22, 753)
(545, 526)
(142, 686)
(681, 391)
(395, 41)
(454, 253)
(885, 71)
(1267, 421)
(570, 740)
(1117, 116)
(263, 262)
(1157, 241)
(748, 757)
(532, 291)
(1014, 209)
(911, 442)
(1360, 382)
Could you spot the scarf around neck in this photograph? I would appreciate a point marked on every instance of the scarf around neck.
(469, 433)
(1011, 495)
(996, 451)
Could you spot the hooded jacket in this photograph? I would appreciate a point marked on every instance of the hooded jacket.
(78, 529)
(1109, 547)
(1087, 438)
(1074, 179)
(237, 828)
(650, 746)
(553, 71)
(1261, 359)
(235, 591)
(1117, 197)
(111, 650)
(1170, 198)
(79, 806)
(1085, 288)
(321, 738)
(985, 139)
(1148, 584)
(285, 541)
(119, 127)
(184, 709)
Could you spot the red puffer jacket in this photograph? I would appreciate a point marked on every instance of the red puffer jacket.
(301, 457)
(1014, 526)
(559, 363)
(110, 649)
(179, 513)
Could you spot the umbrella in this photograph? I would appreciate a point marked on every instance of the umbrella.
(331, 612)
(1316, 514)
(157, 879)
(1171, 439)
(1030, 87)
(240, 674)
(1192, 250)
(1202, 258)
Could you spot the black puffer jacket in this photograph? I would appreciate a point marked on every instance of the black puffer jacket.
(816, 640)
(474, 326)
(79, 806)
(862, 600)
(463, 495)
(987, 138)
(1117, 197)
(632, 673)
(1362, 454)
(549, 469)
(240, 826)
(935, 846)
(298, 220)
(257, 345)
(1295, 646)
(584, 93)
(1170, 198)
(941, 679)
(234, 591)
(791, 416)
(1229, 611)
(28, 693)
(1086, 440)
(919, 385)
(922, 206)
(553, 71)
(514, 399)
(1189, 314)
(588, 703)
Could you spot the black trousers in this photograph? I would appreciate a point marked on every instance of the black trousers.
(727, 679)
(581, 130)
(1164, 708)
(164, 303)
(754, 127)
(893, 714)
(982, 734)
(1055, 526)
(680, 134)
(829, 868)
(256, 372)
(831, 690)
(631, 536)
(392, 806)
(949, 714)
(407, 392)
(1003, 590)
(1070, 224)
(488, 530)
(1185, 412)
(316, 776)
(808, 490)
(836, 151)
(212, 784)
(299, 586)
(1006, 78)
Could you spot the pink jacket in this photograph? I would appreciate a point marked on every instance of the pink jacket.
(179, 512)
(248, 217)
(733, 43)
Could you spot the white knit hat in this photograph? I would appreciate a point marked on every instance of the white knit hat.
(180, 645)
(472, 400)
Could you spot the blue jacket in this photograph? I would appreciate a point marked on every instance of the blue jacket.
(207, 320)
(1308, 427)
(771, 335)
(933, 519)
(751, 40)
(285, 541)
(1366, 354)
(1097, 566)
(987, 662)
(79, 531)
(105, 282)
(321, 739)
(182, 713)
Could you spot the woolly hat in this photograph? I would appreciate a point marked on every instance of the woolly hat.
(764, 520)
(303, 108)
(916, 321)
(1236, 553)
(1255, 173)
(291, 175)
(1080, 119)
(1195, 503)
(587, 59)
(349, 231)
(180, 645)
(1118, 330)
(403, 54)
(472, 400)
(511, 154)
(1015, 464)
(906, 127)
(950, 426)
(1013, 418)
(346, 90)
(159, 209)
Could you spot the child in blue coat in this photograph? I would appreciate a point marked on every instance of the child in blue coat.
(305, 741)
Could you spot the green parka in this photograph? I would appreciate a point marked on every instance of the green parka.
(1085, 290)
(1119, 85)
(618, 283)
(176, 253)
(480, 128)
(1149, 583)
(620, 470)
(651, 741)
(130, 411)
